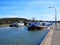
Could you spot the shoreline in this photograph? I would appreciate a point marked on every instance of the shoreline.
(48, 38)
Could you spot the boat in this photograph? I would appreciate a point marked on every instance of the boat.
(36, 26)
(14, 24)
(21, 24)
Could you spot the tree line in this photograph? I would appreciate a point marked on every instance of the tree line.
(11, 20)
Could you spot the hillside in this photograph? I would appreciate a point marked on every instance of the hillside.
(10, 20)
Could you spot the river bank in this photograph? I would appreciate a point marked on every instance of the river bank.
(53, 36)
(4, 25)
(48, 39)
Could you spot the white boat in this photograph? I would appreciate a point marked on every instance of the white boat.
(21, 24)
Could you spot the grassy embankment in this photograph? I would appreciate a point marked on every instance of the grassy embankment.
(4, 25)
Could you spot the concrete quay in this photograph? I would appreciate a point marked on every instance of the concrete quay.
(56, 35)
(53, 37)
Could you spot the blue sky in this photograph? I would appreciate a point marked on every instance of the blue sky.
(29, 9)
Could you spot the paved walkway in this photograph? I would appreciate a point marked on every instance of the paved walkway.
(53, 37)
(48, 38)
(56, 38)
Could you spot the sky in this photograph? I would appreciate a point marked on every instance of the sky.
(38, 9)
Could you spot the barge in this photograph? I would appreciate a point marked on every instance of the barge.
(36, 26)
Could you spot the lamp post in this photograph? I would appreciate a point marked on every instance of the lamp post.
(55, 16)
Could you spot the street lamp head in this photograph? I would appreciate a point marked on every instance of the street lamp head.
(51, 7)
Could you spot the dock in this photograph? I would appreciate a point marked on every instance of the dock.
(53, 37)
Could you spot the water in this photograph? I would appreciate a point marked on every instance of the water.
(21, 36)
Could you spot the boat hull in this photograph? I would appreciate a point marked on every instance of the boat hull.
(13, 26)
(36, 28)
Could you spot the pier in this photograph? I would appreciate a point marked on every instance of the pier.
(53, 37)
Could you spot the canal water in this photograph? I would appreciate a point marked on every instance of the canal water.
(21, 36)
